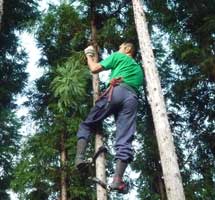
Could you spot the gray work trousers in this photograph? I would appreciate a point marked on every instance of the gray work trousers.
(123, 106)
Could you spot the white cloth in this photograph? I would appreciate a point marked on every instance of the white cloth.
(90, 51)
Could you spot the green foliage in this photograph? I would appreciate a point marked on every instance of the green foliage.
(69, 84)
(18, 16)
(59, 36)
(190, 35)
(112, 19)
(39, 169)
(186, 65)
(57, 106)
(36, 170)
(189, 23)
(9, 145)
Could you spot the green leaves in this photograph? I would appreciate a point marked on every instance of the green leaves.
(36, 169)
(69, 84)
(18, 15)
(190, 28)
(60, 33)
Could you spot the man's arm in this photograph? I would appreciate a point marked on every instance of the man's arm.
(94, 66)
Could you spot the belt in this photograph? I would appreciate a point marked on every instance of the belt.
(128, 87)
(114, 82)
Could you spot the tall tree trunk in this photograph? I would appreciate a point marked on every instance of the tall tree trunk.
(172, 177)
(100, 161)
(63, 159)
(1, 12)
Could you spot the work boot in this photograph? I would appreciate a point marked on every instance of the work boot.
(118, 184)
(80, 163)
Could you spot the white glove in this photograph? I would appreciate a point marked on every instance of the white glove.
(90, 51)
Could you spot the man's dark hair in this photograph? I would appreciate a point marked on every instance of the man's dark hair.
(131, 45)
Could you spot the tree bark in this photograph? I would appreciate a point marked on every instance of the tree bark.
(63, 159)
(1, 12)
(172, 177)
(100, 161)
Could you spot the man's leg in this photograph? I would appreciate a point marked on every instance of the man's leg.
(99, 112)
(126, 127)
(81, 148)
(117, 183)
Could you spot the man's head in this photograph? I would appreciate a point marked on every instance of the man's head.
(127, 48)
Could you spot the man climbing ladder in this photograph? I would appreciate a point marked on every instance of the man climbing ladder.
(120, 99)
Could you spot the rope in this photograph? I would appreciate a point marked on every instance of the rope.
(113, 83)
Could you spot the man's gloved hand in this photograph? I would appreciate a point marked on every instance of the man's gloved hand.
(90, 51)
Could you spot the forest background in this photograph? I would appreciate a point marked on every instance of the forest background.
(183, 37)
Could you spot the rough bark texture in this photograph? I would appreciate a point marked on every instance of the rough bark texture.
(63, 170)
(1, 12)
(100, 161)
(172, 177)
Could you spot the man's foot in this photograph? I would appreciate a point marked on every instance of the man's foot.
(80, 163)
(119, 185)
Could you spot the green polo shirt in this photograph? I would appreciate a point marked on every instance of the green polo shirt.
(122, 65)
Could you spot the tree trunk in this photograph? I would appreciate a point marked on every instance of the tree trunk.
(100, 161)
(172, 177)
(63, 159)
(1, 12)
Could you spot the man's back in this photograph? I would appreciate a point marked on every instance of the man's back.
(124, 66)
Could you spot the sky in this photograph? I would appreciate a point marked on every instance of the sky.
(28, 42)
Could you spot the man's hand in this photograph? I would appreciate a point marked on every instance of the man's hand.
(90, 51)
